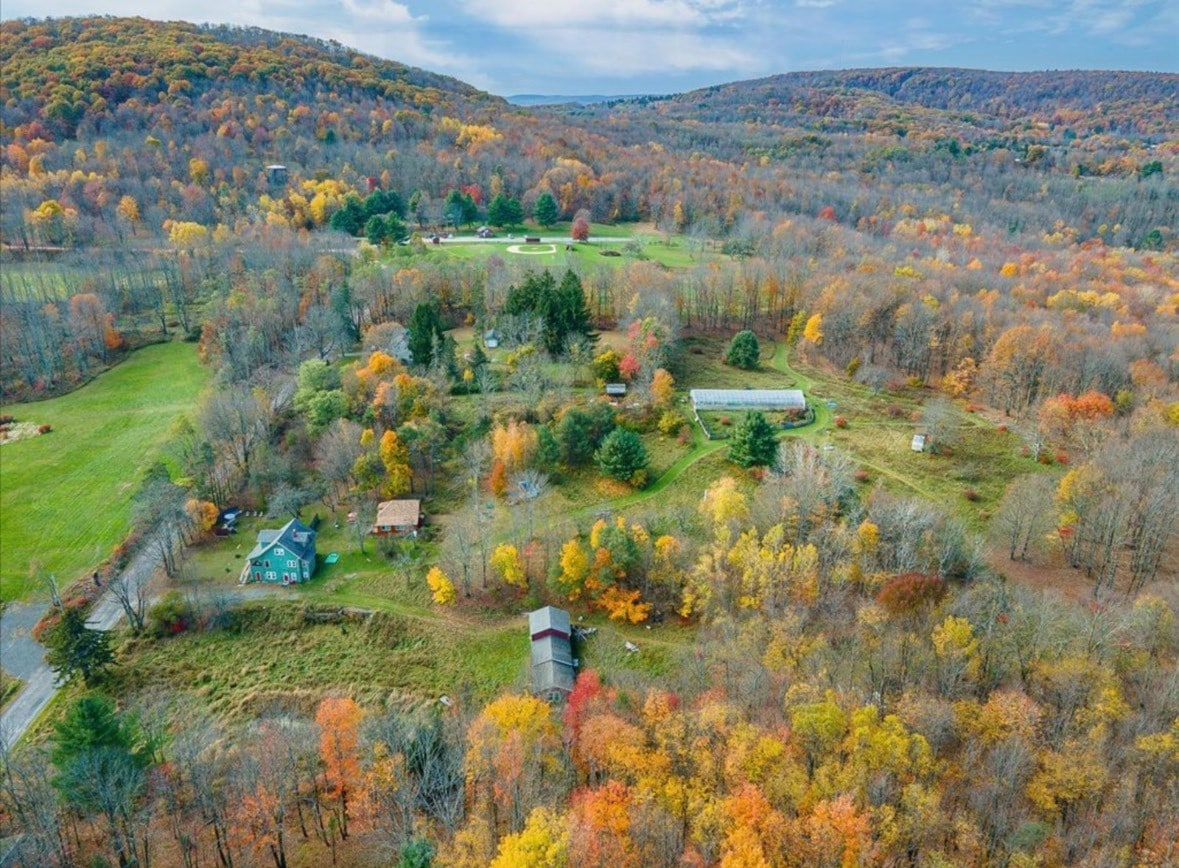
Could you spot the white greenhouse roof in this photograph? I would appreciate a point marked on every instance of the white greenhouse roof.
(771, 399)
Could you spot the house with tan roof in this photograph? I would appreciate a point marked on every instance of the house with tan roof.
(398, 516)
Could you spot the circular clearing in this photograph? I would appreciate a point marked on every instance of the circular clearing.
(533, 249)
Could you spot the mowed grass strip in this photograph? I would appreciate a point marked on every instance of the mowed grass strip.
(65, 497)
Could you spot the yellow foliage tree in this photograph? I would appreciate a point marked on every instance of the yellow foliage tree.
(662, 388)
(574, 565)
(514, 444)
(506, 561)
(813, 332)
(203, 514)
(724, 504)
(957, 651)
(542, 843)
(1067, 777)
(186, 235)
(623, 605)
(395, 457)
(440, 586)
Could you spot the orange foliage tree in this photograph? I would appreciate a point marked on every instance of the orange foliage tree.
(339, 749)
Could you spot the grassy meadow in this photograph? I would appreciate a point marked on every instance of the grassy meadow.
(65, 497)
(604, 241)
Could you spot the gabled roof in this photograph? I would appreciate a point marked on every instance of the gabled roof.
(548, 618)
(398, 513)
(294, 536)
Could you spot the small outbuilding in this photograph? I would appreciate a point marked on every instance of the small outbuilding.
(276, 174)
(491, 339)
(918, 444)
(616, 390)
(553, 667)
(398, 517)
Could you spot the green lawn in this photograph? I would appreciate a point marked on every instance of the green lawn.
(670, 251)
(65, 497)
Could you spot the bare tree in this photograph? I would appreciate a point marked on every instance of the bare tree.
(159, 510)
(129, 587)
(1024, 516)
(28, 797)
(237, 421)
(529, 485)
(335, 456)
(362, 524)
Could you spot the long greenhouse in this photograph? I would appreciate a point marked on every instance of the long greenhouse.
(747, 399)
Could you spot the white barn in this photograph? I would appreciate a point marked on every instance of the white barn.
(747, 399)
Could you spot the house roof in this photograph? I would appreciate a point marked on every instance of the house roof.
(548, 618)
(398, 513)
(616, 388)
(294, 536)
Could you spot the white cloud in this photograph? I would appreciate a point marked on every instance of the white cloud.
(389, 29)
(612, 53)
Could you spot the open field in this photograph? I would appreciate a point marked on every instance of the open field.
(880, 426)
(274, 656)
(631, 242)
(65, 497)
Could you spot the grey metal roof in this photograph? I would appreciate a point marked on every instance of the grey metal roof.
(548, 618)
(294, 536)
(552, 655)
(771, 399)
(552, 675)
(551, 649)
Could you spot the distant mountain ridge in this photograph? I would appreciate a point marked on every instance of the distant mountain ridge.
(1088, 100)
(60, 71)
(531, 99)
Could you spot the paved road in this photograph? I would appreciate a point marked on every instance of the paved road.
(23, 656)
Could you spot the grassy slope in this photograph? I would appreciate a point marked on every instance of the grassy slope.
(273, 658)
(65, 498)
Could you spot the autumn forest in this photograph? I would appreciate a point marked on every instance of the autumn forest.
(929, 620)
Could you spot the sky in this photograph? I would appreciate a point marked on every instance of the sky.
(616, 47)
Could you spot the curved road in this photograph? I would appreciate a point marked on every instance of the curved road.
(24, 657)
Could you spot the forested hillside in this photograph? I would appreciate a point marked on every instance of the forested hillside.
(927, 620)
